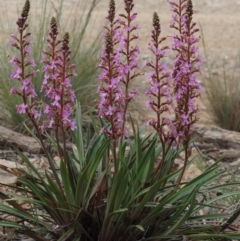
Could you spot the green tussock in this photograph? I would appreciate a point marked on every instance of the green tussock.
(222, 92)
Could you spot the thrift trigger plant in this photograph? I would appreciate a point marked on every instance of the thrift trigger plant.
(139, 201)
(123, 60)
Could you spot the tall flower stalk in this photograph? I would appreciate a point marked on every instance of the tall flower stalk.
(23, 73)
(128, 52)
(186, 65)
(183, 78)
(120, 66)
(111, 106)
(159, 92)
(24, 66)
(56, 84)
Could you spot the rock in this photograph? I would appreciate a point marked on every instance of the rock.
(6, 178)
(194, 152)
(210, 162)
(24, 143)
(221, 137)
(7, 170)
(2, 234)
(191, 173)
(235, 163)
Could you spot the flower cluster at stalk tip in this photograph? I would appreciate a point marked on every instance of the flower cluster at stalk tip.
(127, 52)
(119, 64)
(57, 72)
(111, 105)
(159, 91)
(56, 84)
(24, 66)
(186, 64)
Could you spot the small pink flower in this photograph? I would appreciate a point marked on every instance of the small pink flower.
(71, 124)
(27, 49)
(14, 61)
(21, 109)
(32, 62)
(16, 74)
(36, 115)
(25, 84)
(185, 119)
(110, 110)
(51, 123)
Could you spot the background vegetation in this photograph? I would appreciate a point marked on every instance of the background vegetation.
(222, 87)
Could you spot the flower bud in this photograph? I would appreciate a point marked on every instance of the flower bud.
(26, 9)
(111, 11)
(54, 28)
(189, 8)
(109, 43)
(156, 23)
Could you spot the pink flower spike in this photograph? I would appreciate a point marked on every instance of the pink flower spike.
(23, 64)
(57, 84)
(159, 87)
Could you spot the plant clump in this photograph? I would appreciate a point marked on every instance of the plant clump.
(107, 186)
